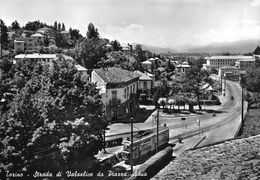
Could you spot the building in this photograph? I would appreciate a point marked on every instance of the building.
(229, 72)
(145, 83)
(220, 61)
(39, 38)
(246, 64)
(49, 58)
(25, 43)
(183, 68)
(147, 65)
(83, 72)
(126, 47)
(66, 35)
(118, 88)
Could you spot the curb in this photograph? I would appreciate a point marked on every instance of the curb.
(199, 142)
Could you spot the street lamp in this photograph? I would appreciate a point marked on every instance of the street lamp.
(224, 84)
(1, 38)
(132, 142)
(242, 96)
(157, 131)
(198, 121)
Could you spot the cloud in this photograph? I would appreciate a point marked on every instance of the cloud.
(134, 33)
(255, 3)
(238, 30)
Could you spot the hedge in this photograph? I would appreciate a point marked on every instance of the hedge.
(153, 165)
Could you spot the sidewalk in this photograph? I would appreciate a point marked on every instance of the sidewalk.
(187, 144)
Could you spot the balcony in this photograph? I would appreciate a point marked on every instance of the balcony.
(115, 102)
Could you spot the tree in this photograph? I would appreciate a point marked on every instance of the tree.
(15, 25)
(55, 112)
(75, 35)
(4, 35)
(34, 26)
(252, 83)
(55, 26)
(119, 59)
(195, 81)
(92, 32)
(59, 27)
(63, 27)
(116, 45)
(89, 52)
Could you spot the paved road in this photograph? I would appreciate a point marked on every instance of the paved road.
(227, 114)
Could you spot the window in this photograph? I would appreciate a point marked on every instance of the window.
(131, 89)
(114, 95)
(145, 85)
(134, 88)
(125, 93)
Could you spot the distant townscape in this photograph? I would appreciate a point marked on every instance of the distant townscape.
(100, 108)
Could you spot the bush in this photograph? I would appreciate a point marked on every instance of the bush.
(153, 165)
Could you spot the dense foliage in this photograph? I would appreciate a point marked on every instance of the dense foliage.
(54, 110)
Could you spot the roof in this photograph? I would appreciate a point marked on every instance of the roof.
(35, 56)
(230, 57)
(143, 76)
(21, 41)
(64, 32)
(39, 56)
(115, 75)
(146, 62)
(229, 67)
(235, 159)
(184, 65)
(37, 35)
(245, 60)
(80, 68)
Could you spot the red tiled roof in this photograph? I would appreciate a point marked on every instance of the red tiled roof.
(116, 75)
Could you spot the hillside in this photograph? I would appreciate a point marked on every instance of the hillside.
(243, 46)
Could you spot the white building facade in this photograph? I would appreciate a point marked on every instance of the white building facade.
(221, 61)
(118, 88)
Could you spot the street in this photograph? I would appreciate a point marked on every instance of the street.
(218, 128)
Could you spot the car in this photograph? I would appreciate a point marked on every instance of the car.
(232, 98)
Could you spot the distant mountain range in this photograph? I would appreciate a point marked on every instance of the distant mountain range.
(156, 49)
(243, 46)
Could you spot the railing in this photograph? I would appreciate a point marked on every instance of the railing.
(114, 102)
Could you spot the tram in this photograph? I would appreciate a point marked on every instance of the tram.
(144, 143)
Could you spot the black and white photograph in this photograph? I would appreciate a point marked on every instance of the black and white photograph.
(130, 89)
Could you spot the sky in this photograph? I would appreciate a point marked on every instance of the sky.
(165, 23)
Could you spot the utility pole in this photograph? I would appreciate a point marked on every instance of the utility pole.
(224, 84)
(132, 142)
(1, 39)
(157, 136)
(242, 112)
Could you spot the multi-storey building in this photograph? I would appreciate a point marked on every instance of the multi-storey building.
(49, 58)
(147, 65)
(183, 68)
(246, 64)
(66, 35)
(25, 43)
(39, 38)
(221, 61)
(145, 83)
(118, 88)
(229, 72)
